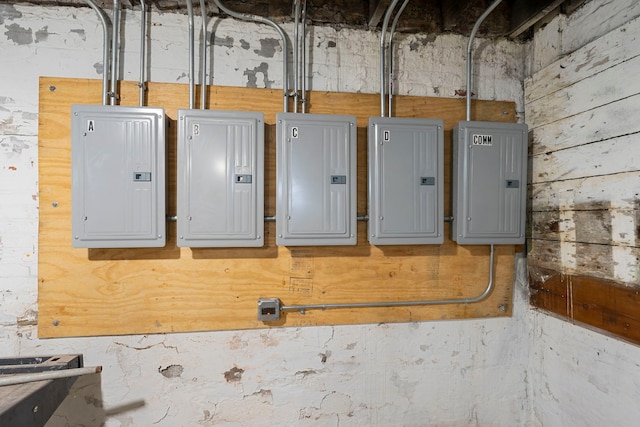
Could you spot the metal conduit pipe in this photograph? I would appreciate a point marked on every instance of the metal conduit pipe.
(281, 33)
(203, 54)
(385, 24)
(115, 47)
(482, 296)
(192, 65)
(143, 49)
(390, 54)
(106, 41)
(474, 30)
(48, 375)
(296, 53)
(303, 83)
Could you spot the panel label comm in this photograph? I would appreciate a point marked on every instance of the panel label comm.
(484, 140)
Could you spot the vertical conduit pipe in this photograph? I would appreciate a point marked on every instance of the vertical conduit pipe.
(469, 49)
(390, 52)
(385, 24)
(143, 49)
(115, 47)
(191, 55)
(296, 53)
(203, 89)
(281, 33)
(104, 20)
(303, 83)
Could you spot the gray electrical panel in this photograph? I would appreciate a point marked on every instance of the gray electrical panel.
(118, 176)
(489, 183)
(406, 181)
(220, 178)
(316, 179)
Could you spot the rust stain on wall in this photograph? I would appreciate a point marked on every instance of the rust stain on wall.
(234, 374)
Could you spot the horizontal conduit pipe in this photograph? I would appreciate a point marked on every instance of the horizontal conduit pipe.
(49, 375)
(283, 36)
(481, 297)
(469, 49)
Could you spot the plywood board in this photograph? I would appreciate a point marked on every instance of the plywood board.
(128, 291)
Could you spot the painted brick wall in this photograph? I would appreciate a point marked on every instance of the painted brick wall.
(443, 373)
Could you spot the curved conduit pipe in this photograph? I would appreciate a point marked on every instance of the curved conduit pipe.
(115, 47)
(203, 54)
(490, 284)
(469, 49)
(281, 33)
(104, 20)
(390, 54)
(487, 291)
(385, 24)
(143, 50)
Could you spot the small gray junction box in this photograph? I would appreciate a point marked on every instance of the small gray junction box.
(489, 183)
(316, 179)
(118, 176)
(406, 181)
(220, 178)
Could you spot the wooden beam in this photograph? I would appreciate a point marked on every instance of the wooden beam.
(377, 8)
(606, 305)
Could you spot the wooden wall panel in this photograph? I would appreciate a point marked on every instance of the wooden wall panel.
(128, 291)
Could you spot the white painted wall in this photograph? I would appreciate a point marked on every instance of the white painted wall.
(582, 99)
(439, 373)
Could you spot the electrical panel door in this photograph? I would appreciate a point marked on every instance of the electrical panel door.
(220, 178)
(406, 185)
(118, 176)
(489, 183)
(316, 172)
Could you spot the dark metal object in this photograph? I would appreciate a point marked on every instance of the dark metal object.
(32, 404)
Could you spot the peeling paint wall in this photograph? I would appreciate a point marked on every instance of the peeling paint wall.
(455, 373)
(581, 101)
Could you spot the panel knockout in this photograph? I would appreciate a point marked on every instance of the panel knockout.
(268, 309)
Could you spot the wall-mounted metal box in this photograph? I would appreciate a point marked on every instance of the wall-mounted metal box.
(489, 183)
(220, 178)
(316, 173)
(406, 181)
(118, 176)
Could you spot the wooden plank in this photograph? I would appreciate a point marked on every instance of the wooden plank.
(605, 305)
(618, 191)
(601, 158)
(170, 289)
(607, 51)
(603, 123)
(587, 94)
(549, 291)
